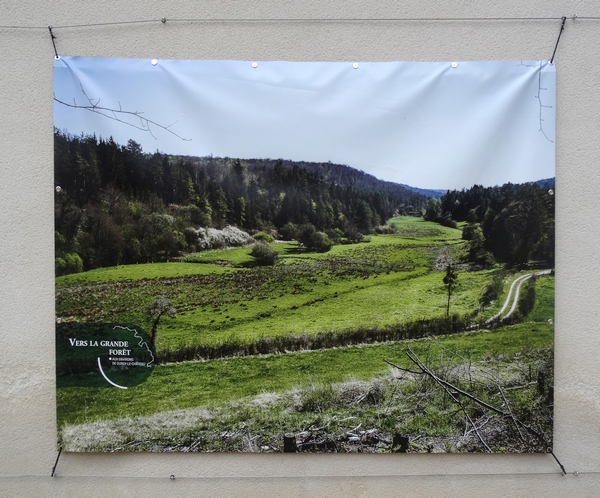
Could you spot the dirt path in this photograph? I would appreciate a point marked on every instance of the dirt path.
(513, 295)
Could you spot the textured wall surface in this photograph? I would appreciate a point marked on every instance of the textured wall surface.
(27, 400)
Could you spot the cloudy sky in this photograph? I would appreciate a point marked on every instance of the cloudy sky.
(430, 125)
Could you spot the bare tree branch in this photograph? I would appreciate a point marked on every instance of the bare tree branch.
(414, 358)
(104, 111)
(425, 370)
(512, 415)
(403, 369)
(418, 362)
(493, 378)
(538, 96)
(119, 115)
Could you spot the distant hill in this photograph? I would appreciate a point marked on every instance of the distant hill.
(436, 193)
(346, 176)
(271, 172)
(548, 183)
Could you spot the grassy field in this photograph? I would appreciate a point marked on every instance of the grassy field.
(127, 273)
(318, 395)
(190, 384)
(221, 297)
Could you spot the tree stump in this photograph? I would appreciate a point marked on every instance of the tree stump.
(400, 443)
(289, 443)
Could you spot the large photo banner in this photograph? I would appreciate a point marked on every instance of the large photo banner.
(304, 257)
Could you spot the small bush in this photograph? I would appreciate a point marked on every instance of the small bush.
(71, 263)
(353, 235)
(447, 221)
(304, 233)
(288, 231)
(191, 236)
(319, 242)
(468, 232)
(265, 237)
(263, 254)
(385, 229)
(483, 258)
(318, 398)
(492, 291)
(527, 297)
(212, 238)
(312, 240)
(334, 234)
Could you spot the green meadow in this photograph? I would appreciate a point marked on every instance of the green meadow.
(210, 383)
(221, 297)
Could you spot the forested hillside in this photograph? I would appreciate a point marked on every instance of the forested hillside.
(513, 223)
(116, 204)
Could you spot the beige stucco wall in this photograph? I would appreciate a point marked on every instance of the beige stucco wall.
(27, 401)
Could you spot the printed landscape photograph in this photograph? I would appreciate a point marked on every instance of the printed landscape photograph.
(328, 257)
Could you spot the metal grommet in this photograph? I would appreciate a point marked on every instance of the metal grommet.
(355, 65)
(255, 64)
(57, 57)
(454, 64)
(154, 62)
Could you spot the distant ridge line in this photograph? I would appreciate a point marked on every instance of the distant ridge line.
(438, 193)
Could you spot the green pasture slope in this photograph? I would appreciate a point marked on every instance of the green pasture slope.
(192, 384)
(221, 297)
(129, 273)
(387, 280)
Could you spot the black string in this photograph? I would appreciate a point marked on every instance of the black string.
(299, 476)
(307, 20)
(56, 56)
(163, 20)
(365, 19)
(56, 463)
(562, 27)
(564, 472)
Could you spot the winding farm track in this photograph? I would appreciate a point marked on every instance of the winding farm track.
(513, 295)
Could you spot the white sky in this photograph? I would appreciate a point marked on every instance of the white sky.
(424, 124)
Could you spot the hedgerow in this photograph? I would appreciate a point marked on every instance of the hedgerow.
(322, 340)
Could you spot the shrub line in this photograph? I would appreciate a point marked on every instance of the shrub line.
(322, 340)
